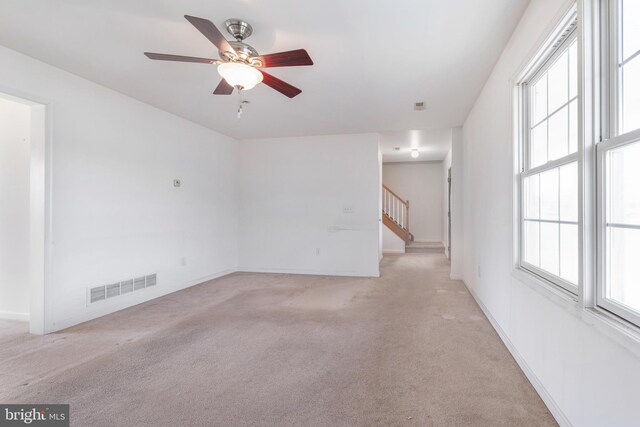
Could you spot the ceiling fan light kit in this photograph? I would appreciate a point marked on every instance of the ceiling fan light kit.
(240, 64)
(240, 75)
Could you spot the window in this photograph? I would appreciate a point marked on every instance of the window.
(561, 181)
(619, 165)
(549, 225)
(628, 37)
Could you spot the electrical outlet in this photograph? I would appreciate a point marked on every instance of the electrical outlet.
(317, 251)
(177, 183)
(347, 210)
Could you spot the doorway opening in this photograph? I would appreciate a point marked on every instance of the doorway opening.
(23, 180)
(449, 213)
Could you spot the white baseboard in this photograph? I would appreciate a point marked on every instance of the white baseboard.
(456, 277)
(10, 315)
(309, 272)
(553, 407)
(393, 251)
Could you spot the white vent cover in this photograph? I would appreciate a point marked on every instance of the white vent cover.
(151, 280)
(138, 283)
(126, 286)
(97, 294)
(104, 292)
(113, 290)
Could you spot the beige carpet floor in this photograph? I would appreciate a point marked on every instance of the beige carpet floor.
(411, 348)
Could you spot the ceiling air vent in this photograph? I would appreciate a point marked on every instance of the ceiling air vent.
(419, 106)
(101, 293)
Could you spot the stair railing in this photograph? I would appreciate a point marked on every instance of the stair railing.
(395, 207)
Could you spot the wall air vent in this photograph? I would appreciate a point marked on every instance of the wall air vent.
(113, 290)
(419, 106)
(151, 280)
(126, 286)
(138, 283)
(104, 292)
(97, 294)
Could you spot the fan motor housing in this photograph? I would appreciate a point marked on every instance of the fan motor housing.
(240, 30)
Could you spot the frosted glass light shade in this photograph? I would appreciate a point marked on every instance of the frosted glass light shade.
(239, 74)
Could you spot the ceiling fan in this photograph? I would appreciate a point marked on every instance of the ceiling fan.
(240, 65)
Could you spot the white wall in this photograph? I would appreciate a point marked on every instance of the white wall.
(15, 158)
(421, 184)
(115, 213)
(446, 164)
(588, 373)
(457, 204)
(391, 243)
(310, 205)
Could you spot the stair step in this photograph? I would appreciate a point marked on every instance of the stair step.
(422, 247)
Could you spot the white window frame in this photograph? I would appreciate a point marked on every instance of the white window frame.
(566, 32)
(610, 139)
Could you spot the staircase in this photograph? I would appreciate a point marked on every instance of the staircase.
(425, 247)
(395, 214)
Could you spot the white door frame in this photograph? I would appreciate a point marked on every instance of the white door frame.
(40, 208)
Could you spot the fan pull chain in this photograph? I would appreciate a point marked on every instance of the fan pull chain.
(241, 102)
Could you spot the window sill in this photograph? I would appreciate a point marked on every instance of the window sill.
(554, 293)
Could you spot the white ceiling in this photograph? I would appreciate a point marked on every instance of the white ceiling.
(432, 145)
(373, 59)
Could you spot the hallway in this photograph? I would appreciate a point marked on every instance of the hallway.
(409, 348)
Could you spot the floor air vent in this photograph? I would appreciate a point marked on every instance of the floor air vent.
(101, 293)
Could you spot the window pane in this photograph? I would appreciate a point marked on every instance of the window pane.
(559, 134)
(539, 145)
(539, 100)
(569, 192)
(573, 70)
(549, 247)
(623, 284)
(623, 184)
(532, 197)
(573, 127)
(549, 195)
(630, 27)
(559, 83)
(532, 242)
(631, 95)
(569, 252)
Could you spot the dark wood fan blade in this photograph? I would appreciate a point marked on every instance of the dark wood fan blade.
(292, 58)
(223, 88)
(211, 32)
(279, 85)
(179, 58)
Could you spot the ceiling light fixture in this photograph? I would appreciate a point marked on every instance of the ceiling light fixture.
(415, 153)
(239, 75)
